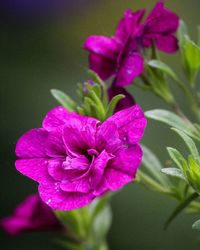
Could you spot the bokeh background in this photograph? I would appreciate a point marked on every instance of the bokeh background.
(40, 49)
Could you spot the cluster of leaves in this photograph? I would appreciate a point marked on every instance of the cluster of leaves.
(94, 98)
(186, 186)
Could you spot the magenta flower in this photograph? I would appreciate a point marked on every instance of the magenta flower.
(122, 54)
(30, 215)
(75, 158)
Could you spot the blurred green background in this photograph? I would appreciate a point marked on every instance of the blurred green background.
(40, 50)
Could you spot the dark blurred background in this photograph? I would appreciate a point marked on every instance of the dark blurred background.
(40, 49)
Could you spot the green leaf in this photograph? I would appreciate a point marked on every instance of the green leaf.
(174, 172)
(96, 88)
(191, 57)
(190, 144)
(178, 159)
(95, 77)
(113, 103)
(196, 225)
(182, 32)
(159, 84)
(81, 110)
(102, 222)
(153, 165)
(72, 220)
(171, 119)
(180, 208)
(70, 245)
(64, 99)
(99, 105)
(164, 68)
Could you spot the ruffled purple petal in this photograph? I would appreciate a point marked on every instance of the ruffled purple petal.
(129, 25)
(60, 200)
(32, 144)
(55, 169)
(161, 20)
(132, 66)
(35, 169)
(104, 46)
(131, 124)
(126, 102)
(108, 137)
(79, 134)
(127, 160)
(82, 185)
(55, 145)
(57, 117)
(167, 43)
(98, 167)
(103, 66)
(117, 179)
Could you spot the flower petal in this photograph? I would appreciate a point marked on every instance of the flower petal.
(108, 137)
(131, 124)
(161, 20)
(82, 185)
(98, 167)
(103, 66)
(127, 160)
(32, 144)
(129, 24)
(54, 144)
(79, 134)
(132, 67)
(117, 179)
(60, 200)
(55, 169)
(36, 169)
(57, 117)
(104, 46)
(167, 43)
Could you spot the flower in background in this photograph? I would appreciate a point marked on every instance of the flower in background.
(122, 54)
(75, 158)
(30, 215)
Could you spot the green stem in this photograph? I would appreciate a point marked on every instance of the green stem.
(149, 182)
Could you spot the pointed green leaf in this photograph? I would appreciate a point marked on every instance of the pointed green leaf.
(180, 208)
(112, 104)
(159, 84)
(102, 222)
(81, 110)
(154, 166)
(171, 119)
(174, 172)
(164, 68)
(178, 158)
(95, 77)
(72, 221)
(196, 225)
(99, 105)
(96, 88)
(64, 99)
(182, 32)
(190, 144)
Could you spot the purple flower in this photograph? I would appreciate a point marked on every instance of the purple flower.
(30, 215)
(121, 54)
(75, 158)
